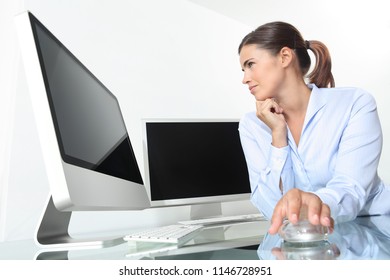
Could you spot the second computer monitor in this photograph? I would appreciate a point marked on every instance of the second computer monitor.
(191, 162)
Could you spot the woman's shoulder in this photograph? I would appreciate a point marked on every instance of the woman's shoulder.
(345, 91)
(348, 94)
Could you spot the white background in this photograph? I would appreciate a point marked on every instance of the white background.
(171, 58)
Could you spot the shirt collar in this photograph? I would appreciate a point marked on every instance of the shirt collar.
(316, 102)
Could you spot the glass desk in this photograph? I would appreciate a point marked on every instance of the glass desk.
(364, 238)
(235, 241)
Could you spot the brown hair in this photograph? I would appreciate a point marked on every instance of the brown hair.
(274, 36)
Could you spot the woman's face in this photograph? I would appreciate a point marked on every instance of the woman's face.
(263, 72)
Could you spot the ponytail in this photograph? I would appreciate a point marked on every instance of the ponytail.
(321, 75)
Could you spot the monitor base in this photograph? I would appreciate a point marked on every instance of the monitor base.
(53, 232)
(202, 211)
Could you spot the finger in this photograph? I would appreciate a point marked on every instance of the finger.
(264, 106)
(325, 217)
(293, 203)
(314, 208)
(277, 218)
(259, 103)
(269, 105)
(276, 107)
(260, 108)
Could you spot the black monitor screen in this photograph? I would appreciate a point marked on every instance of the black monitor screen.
(195, 159)
(88, 121)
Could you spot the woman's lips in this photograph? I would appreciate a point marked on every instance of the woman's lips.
(252, 88)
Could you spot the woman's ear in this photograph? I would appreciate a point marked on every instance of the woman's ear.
(286, 55)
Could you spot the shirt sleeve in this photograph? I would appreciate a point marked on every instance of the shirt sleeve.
(355, 172)
(267, 165)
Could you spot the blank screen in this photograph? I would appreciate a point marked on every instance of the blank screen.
(195, 159)
(89, 126)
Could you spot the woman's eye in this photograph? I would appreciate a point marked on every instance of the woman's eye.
(250, 64)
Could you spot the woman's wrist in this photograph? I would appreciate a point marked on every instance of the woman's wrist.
(279, 137)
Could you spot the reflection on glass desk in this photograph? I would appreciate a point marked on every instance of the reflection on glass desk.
(234, 241)
(365, 238)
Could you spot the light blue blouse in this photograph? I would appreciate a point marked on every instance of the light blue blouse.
(337, 156)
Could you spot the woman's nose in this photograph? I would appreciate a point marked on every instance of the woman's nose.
(245, 79)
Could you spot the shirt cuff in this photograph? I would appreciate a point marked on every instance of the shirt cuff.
(278, 157)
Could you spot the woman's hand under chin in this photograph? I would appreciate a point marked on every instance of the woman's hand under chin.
(271, 114)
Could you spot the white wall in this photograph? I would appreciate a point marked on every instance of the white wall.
(160, 58)
(9, 61)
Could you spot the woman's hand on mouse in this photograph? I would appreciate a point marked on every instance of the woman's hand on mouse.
(291, 204)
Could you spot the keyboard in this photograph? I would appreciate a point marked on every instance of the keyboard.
(178, 234)
(225, 220)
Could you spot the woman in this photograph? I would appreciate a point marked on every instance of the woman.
(309, 144)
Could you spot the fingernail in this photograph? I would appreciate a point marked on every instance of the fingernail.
(327, 221)
(294, 217)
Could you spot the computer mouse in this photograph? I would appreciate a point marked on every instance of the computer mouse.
(303, 231)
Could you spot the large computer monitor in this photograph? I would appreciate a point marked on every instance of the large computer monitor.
(86, 148)
(196, 162)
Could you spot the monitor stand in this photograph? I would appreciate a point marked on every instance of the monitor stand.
(204, 211)
(211, 214)
(53, 232)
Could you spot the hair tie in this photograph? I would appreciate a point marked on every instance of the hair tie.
(307, 44)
